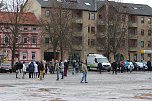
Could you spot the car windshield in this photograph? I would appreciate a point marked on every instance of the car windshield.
(102, 60)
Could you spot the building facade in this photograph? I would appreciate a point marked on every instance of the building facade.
(27, 39)
(89, 26)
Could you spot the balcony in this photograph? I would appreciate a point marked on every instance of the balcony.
(132, 36)
(132, 49)
(132, 24)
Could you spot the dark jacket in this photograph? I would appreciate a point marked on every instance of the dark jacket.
(148, 63)
(114, 65)
(65, 65)
(20, 65)
(31, 67)
(41, 66)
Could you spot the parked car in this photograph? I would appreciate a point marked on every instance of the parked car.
(140, 65)
(5, 67)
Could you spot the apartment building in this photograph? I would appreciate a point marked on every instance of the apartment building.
(89, 25)
(27, 41)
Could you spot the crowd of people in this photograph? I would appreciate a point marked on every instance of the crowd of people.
(129, 66)
(38, 69)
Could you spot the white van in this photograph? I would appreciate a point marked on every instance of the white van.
(94, 59)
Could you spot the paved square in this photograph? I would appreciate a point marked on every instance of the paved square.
(136, 86)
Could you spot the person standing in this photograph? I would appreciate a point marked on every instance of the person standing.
(65, 67)
(41, 67)
(74, 66)
(24, 70)
(84, 72)
(35, 70)
(20, 67)
(57, 68)
(149, 65)
(31, 69)
(114, 67)
(61, 64)
(16, 69)
(100, 67)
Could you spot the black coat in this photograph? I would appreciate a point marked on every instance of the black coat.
(20, 65)
(114, 65)
(148, 64)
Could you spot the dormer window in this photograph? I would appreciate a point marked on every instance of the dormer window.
(88, 4)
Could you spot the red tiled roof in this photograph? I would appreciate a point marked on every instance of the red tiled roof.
(24, 18)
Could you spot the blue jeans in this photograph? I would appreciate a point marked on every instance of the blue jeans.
(84, 77)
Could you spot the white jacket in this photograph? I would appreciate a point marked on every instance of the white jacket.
(24, 68)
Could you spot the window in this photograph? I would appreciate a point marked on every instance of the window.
(25, 55)
(91, 16)
(149, 20)
(47, 40)
(142, 19)
(25, 28)
(25, 40)
(91, 29)
(34, 29)
(149, 43)
(33, 55)
(142, 31)
(34, 40)
(91, 42)
(47, 13)
(142, 43)
(149, 32)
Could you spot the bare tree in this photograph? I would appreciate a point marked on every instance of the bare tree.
(114, 27)
(11, 24)
(57, 25)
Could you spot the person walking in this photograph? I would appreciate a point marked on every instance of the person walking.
(84, 72)
(24, 70)
(149, 65)
(65, 67)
